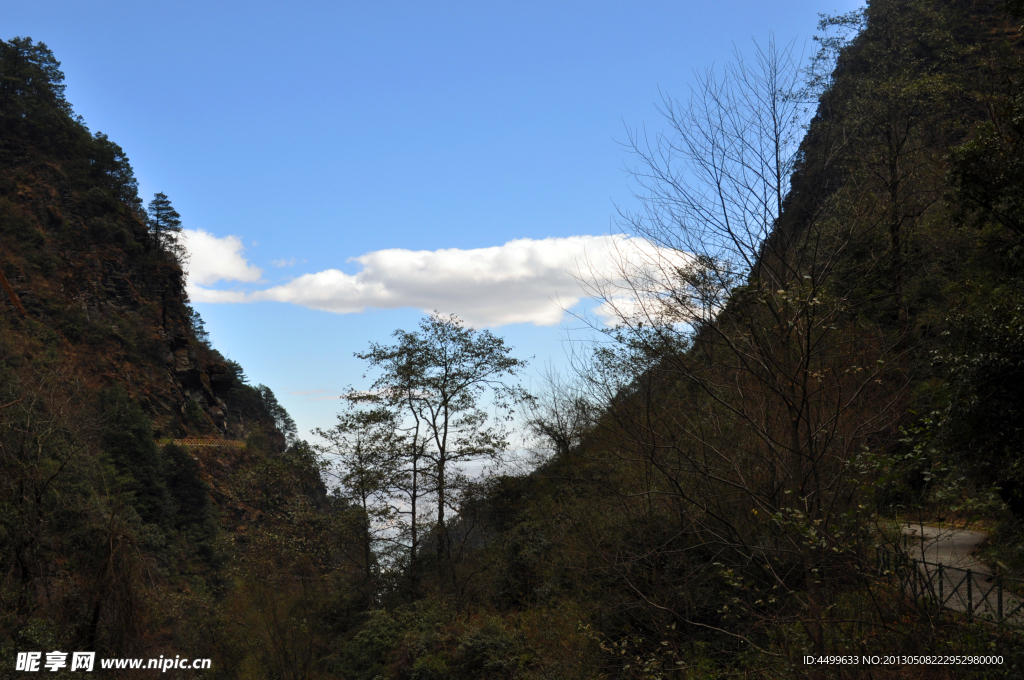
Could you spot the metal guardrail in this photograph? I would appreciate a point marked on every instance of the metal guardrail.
(195, 442)
(989, 597)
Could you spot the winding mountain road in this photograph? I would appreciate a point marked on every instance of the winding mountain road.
(953, 574)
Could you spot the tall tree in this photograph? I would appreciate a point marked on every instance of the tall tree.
(751, 381)
(437, 378)
(165, 224)
(282, 420)
(363, 448)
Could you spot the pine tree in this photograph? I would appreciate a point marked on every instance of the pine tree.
(165, 224)
(282, 421)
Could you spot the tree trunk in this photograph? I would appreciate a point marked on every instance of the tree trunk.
(442, 531)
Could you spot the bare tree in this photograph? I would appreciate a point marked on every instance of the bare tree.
(560, 415)
(755, 378)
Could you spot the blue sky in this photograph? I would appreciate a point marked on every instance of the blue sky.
(418, 137)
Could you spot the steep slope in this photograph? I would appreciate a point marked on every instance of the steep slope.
(81, 264)
(108, 538)
(866, 363)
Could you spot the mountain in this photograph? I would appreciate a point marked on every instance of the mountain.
(82, 267)
(840, 350)
(102, 361)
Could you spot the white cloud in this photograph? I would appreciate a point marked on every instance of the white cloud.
(290, 262)
(213, 259)
(200, 294)
(522, 281)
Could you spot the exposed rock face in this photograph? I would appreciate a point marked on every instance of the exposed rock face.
(218, 375)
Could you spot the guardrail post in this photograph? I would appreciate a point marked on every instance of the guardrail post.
(999, 594)
(970, 598)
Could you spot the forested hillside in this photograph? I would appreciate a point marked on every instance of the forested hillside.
(833, 344)
(107, 536)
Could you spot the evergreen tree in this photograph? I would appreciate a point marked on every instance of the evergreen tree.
(32, 100)
(282, 421)
(165, 224)
(198, 326)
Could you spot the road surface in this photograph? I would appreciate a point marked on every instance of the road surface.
(962, 583)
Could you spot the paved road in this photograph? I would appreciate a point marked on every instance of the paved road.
(951, 547)
(962, 583)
